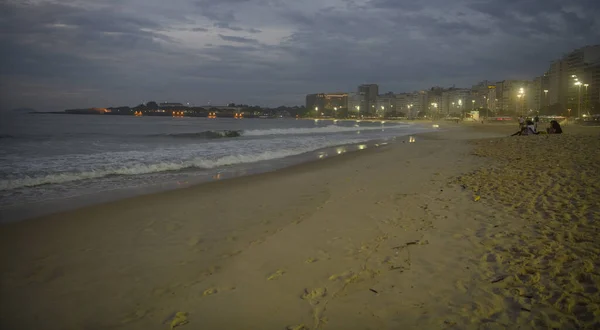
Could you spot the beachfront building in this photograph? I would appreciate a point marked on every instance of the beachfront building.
(413, 104)
(386, 104)
(479, 94)
(580, 67)
(355, 104)
(326, 104)
(434, 102)
(454, 101)
(512, 96)
(403, 103)
(557, 83)
(492, 100)
(567, 78)
(369, 93)
(535, 96)
(410, 103)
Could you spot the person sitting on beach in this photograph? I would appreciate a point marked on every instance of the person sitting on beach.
(528, 129)
(521, 122)
(554, 128)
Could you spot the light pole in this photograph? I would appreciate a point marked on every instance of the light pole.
(460, 107)
(473, 105)
(587, 99)
(578, 84)
(487, 106)
(546, 99)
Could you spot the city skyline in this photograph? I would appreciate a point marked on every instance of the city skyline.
(67, 54)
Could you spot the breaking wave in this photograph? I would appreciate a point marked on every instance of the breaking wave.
(205, 134)
(138, 169)
(317, 130)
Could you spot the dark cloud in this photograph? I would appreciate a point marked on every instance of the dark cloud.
(225, 25)
(65, 53)
(238, 39)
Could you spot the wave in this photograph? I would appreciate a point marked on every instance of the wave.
(139, 169)
(6, 136)
(205, 134)
(316, 130)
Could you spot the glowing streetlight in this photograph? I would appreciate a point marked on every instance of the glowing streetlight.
(546, 97)
(587, 98)
(578, 84)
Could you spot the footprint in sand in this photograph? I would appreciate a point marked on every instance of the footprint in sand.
(341, 276)
(257, 241)
(275, 275)
(314, 294)
(179, 319)
(134, 316)
(311, 260)
(210, 291)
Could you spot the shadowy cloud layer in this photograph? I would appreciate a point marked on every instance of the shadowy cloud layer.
(76, 53)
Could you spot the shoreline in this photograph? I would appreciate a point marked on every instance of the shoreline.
(25, 212)
(382, 231)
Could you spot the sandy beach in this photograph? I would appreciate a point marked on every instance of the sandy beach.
(464, 228)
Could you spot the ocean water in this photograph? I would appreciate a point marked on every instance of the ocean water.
(49, 157)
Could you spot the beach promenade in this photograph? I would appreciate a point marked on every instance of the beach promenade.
(464, 228)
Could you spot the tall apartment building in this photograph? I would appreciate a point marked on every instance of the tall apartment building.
(411, 104)
(479, 94)
(434, 101)
(355, 104)
(580, 63)
(535, 95)
(386, 103)
(557, 83)
(509, 98)
(492, 99)
(592, 92)
(454, 101)
(369, 93)
(403, 103)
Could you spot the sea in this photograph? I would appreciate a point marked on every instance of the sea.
(55, 162)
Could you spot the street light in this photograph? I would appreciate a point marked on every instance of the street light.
(578, 84)
(473, 105)
(587, 99)
(487, 106)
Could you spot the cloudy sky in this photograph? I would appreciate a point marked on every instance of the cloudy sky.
(60, 54)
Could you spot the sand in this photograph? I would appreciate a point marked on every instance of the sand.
(439, 233)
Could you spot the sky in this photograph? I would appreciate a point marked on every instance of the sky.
(59, 54)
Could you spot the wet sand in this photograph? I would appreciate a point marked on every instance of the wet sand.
(430, 234)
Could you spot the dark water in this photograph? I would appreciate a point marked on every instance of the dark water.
(51, 157)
